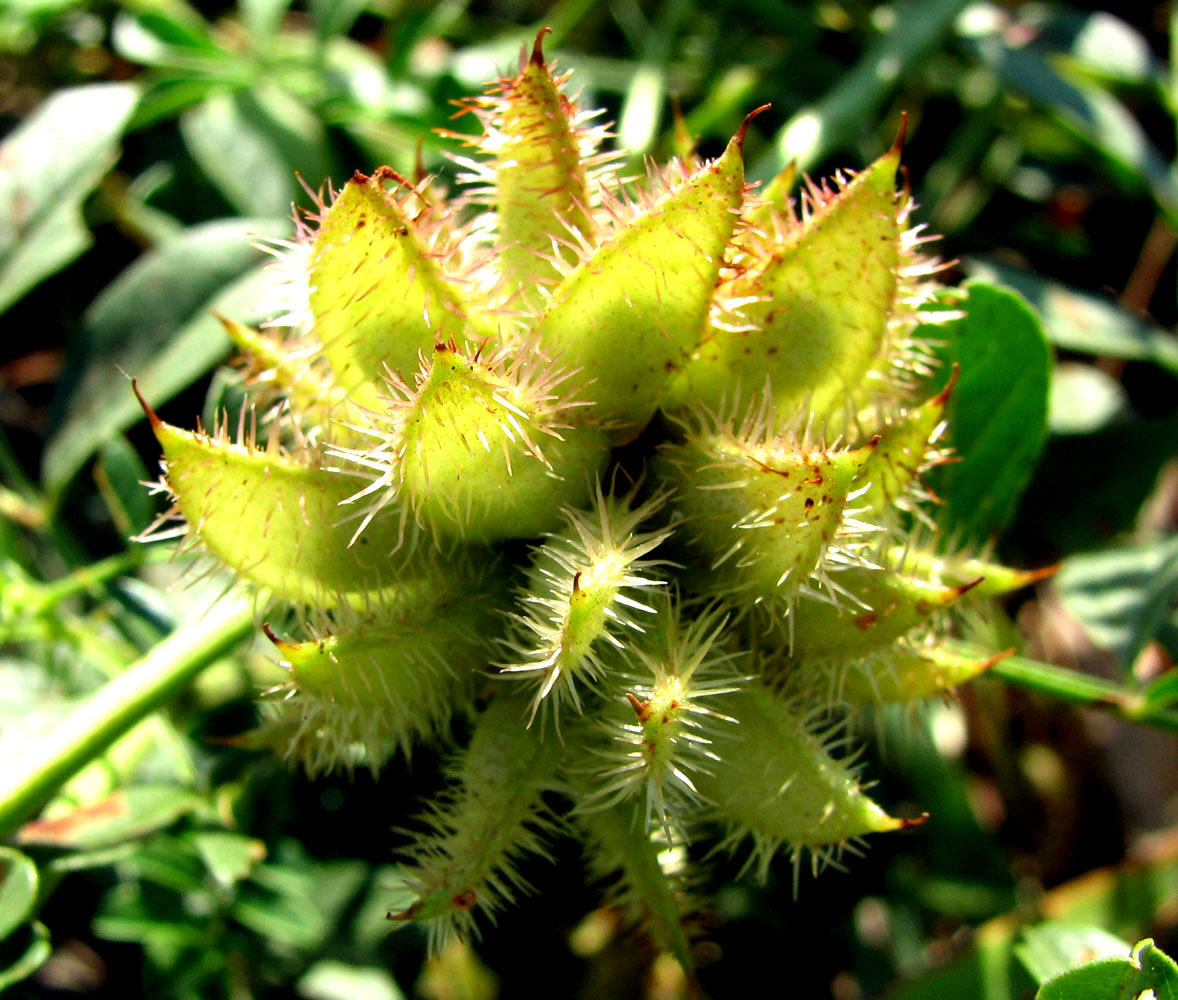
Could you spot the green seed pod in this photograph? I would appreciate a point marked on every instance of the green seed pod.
(276, 519)
(631, 312)
(493, 815)
(579, 599)
(481, 450)
(775, 781)
(907, 675)
(538, 180)
(904, 452)
(766, 512)
(879, 607)
(379, 296)
(387, 681)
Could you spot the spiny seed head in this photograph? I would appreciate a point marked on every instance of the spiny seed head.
(420, 485)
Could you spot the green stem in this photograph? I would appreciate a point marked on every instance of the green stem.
(142, 689)
(1077, 688)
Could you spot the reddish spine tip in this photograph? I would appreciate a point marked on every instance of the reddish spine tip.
(965, 588)
(641, 709)
(538, 46)
(1035, 575)
(942, 397)
(990, 661)
(744, 125)
(901, 135)
(908, 824)
(152, 418)
(270, 634)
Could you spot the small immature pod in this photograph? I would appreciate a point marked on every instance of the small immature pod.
(662, 728)
(481, 449)
(494, 815)
(766, 513)
(774, 781)
(620, 848)
(578, 599)
(818, 297)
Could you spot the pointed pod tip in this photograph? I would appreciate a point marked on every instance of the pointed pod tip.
(744, 126)
(152, 417)
(965, 588)
(272, 637)
(942, 397)
(987, 663)
(538, 46)
(901, 135)
(909, 823)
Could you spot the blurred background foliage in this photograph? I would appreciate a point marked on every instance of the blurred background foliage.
(149, 143)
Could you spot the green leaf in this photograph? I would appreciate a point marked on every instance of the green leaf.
(127, 815)
(997, 411)
(329, 979)
(263, 18)
(252, 143)
(1084, 399)
(1122, 596)
(51, 162)
(23, 953)
(18, 890)
(837, 119)
(121, 475)
(153, 322)
(1085, 110)
(1124, 977)
(1052, 948)
(335, 17)
(1163, 691)
(1080, 321)
(230, 857)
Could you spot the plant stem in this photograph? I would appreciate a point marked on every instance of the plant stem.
(1077, 688)
(142, 689)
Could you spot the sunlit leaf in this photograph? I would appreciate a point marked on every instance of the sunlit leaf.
(48, 166)
(998, 409)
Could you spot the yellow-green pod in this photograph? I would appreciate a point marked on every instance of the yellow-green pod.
(379, 295)
(277, 520)
(775, 782)
(630, 313)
